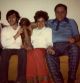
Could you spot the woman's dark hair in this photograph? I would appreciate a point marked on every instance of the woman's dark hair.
(24, 21)
(41, 14)
(11, 12)
(60, 5)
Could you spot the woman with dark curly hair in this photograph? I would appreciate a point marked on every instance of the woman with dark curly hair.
(41, 39)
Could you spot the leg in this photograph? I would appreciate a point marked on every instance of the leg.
(73, 63)
(4, 65)
(54, 67)
(0, 63)
(54, 61)
(21, 65)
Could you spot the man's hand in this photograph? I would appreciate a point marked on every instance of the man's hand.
(71, 40)
(50, 50)
(18, 33)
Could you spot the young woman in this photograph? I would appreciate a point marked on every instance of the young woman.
(41, 39)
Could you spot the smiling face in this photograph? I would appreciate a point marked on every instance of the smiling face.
(40, 22)
(12, 19)
(60, 13)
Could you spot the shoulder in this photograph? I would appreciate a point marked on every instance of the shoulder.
(34, 29)
(48, 29)
(50, 23)
(50, 20)
(73, 23)
(71, 20)
(5, 29)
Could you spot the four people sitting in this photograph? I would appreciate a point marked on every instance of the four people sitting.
(39, 48)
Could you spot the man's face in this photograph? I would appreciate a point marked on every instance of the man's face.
(12, 19)
(60, 13)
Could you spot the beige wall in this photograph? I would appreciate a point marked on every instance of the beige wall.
(27, 8)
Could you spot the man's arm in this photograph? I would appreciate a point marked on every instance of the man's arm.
(75, 32)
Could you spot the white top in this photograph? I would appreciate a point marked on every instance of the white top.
(7, 38)
(42, 38)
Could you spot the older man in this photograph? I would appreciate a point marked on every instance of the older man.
(65, 34)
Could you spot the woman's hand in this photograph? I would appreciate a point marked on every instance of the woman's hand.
(50, 50)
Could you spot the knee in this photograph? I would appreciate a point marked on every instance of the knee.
(74, 47)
